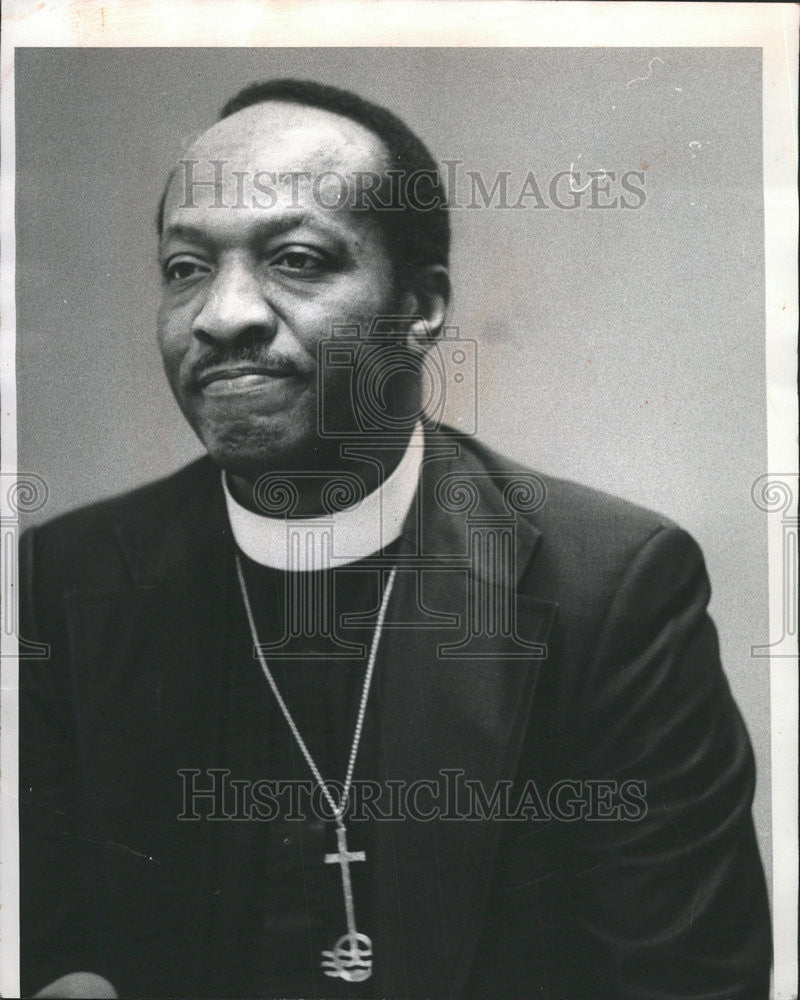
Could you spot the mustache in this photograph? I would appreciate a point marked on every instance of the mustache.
(244, 354)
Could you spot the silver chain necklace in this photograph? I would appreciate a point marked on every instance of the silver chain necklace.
(351, 956)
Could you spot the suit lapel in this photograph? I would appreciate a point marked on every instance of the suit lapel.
(452, 698)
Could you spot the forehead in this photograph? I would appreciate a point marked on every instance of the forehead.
(280, 138)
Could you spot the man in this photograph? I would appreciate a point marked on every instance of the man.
(502, 693)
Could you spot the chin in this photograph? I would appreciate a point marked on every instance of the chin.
(249, 452)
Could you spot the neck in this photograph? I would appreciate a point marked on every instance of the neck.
(370, 463)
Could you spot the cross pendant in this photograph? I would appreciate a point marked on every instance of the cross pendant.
(351, 956)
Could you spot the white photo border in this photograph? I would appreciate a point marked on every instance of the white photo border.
(773, 27)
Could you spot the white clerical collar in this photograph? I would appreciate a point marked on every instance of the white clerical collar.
(315, 543)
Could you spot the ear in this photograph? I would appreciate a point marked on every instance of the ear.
(427, 297)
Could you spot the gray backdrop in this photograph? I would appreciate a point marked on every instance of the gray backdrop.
(621, 348)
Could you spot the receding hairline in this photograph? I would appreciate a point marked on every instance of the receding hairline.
(380, 146)
(295, 108)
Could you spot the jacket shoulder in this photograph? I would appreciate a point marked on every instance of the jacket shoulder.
(152, 496)
(81, 546)
(563, 502)
(588, 538)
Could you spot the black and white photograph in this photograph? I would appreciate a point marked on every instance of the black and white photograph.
(399, 501)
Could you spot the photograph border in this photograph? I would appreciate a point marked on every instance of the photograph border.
(475, 23)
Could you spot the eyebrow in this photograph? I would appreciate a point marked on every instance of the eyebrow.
(274, 225)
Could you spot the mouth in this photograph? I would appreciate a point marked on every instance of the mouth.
(241, 378)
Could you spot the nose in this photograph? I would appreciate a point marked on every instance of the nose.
(235, 306)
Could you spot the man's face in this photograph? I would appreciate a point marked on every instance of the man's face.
(249, 291)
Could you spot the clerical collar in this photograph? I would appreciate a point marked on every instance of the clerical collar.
(343, 537)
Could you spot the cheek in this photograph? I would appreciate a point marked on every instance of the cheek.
(172, 335)
(162, 326)
(356, 303)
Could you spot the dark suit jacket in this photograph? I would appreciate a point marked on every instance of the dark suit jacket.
(609, 672)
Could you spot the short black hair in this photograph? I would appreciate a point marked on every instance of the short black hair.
(418, 225)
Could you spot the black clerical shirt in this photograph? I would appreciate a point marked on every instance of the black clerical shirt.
(276, 904)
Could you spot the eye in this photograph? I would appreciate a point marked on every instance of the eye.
(178, 269)
(299, 261)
